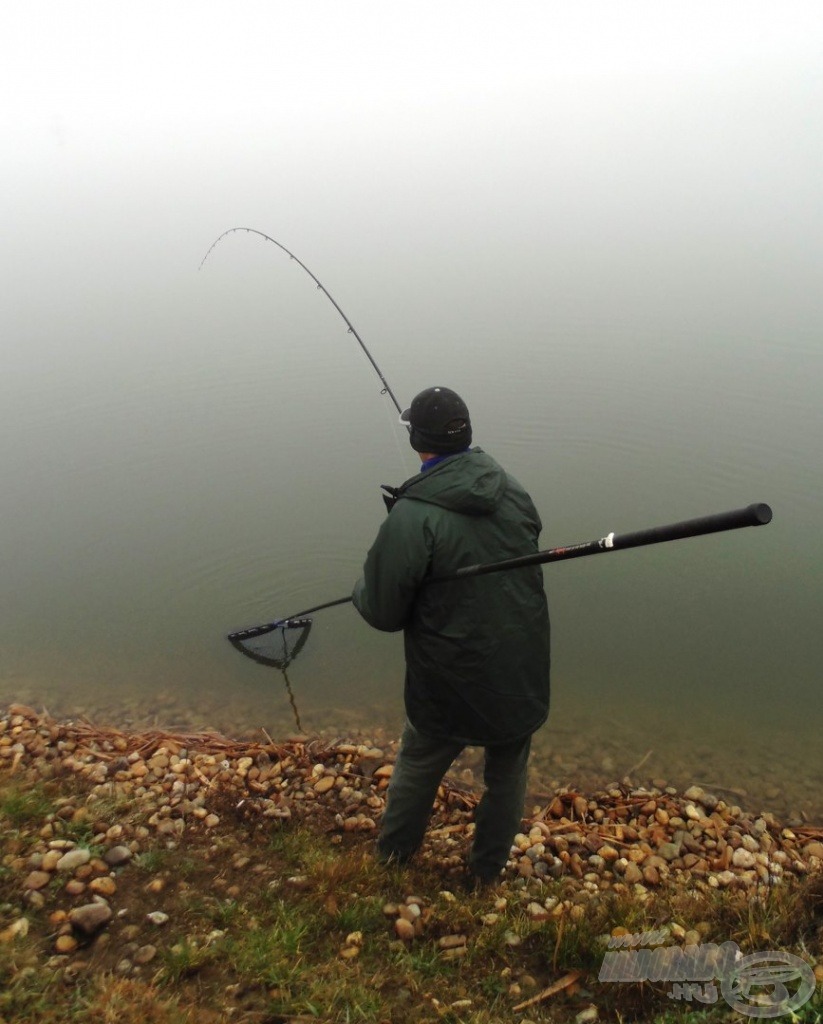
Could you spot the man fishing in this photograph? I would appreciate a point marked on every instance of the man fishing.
(477, 649)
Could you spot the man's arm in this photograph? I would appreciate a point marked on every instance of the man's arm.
(395, 568)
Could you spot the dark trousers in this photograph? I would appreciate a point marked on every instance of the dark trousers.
(421, 764)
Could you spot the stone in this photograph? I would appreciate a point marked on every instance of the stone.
(90, 918)
(117, 855)
(525, 868)
(157, 917)
(456, 953)
(324, 784)
(73, 859)
(145, 954)
(813, 849)
(743, 858)
(65, 944)
(17, 929)
(451, 941)
(37, 880)
(103, 886)
(50, 859)
(651, 875)
(632, 873)
(404, 929)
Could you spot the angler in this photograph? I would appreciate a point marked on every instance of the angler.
(477, 649)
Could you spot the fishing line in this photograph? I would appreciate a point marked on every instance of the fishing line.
(352, 330)
(281, 655)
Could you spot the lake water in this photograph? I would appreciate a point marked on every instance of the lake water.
(203, 451)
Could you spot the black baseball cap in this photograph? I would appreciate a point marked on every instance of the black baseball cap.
(439, 422)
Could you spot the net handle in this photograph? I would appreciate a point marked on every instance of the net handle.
(758, 514)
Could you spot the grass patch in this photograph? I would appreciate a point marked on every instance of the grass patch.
(185, 959)
(154, 861)
(286, 898)
(221, 913)
(22, 807)
(80, 832)
(362, 914)
(26, 992)
(114, 1000)
(268, 955)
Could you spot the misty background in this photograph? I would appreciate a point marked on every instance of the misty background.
(600, 224)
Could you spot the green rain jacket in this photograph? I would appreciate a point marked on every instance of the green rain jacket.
(477, 649)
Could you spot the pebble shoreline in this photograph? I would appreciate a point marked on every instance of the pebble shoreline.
(624, 839)
(775, 768)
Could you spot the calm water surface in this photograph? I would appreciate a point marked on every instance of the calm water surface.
(210, 457)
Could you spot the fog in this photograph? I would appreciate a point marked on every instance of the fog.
(601, 223)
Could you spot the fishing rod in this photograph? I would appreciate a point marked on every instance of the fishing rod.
(386, 389)
(752, 515)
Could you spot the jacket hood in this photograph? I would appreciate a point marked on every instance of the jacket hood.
(471, 483)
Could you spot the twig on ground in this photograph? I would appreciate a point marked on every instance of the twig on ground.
(734, 790)
(636, 767)
(547, 993)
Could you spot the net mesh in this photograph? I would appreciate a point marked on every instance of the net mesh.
(278, 646)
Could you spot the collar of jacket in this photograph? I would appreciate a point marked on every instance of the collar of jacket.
(437, 459)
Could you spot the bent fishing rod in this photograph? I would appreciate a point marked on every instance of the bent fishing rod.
(253, 231)
(758, 514)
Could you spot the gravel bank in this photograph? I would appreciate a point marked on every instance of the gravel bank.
(622, 838)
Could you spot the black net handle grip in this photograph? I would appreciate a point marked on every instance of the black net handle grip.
(752, 515)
